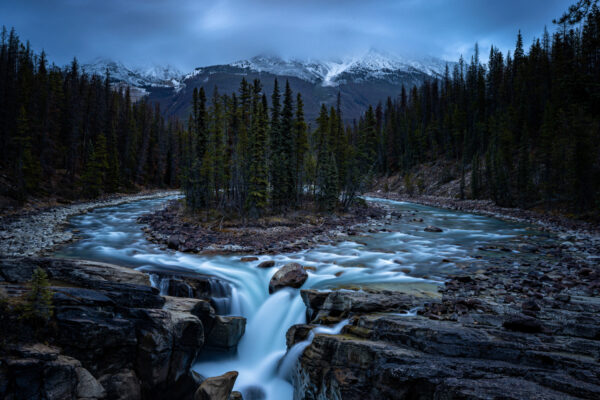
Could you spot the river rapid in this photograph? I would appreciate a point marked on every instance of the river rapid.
(403, 257)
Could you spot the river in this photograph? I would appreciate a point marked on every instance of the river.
(404, 257)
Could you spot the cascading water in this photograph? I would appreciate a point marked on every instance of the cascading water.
(293, 354)
(405, 258)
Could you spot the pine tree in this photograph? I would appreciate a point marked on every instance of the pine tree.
(38, 306)
(258, 192)
(94, 176)
(287, 149)
(300, 145)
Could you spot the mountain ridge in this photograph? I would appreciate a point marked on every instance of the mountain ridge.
(360, 80)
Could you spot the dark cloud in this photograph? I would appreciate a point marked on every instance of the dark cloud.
(189, 33)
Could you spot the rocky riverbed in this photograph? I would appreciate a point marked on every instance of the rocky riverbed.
(39, 231)
(523, 326)
(516, 317)
(551, 222)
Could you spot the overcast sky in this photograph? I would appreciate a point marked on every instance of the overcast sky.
(191, 33)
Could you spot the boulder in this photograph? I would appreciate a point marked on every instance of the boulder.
(340, 304)
(432, 228)
(109, 323)
(266, 264)
(173, 242)
(248, 259)
(290, 275)
(39, 371)
(226, 332)
(217, 388)
(236, 396)
(124, 385)
(87, 386)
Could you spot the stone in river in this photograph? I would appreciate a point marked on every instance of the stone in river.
(266, 264)
(217, 387)
(290, 275)
(173, 242)
(432, 228)
(248, 259)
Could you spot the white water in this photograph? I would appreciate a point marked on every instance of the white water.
(378, 260)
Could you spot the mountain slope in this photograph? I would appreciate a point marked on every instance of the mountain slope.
(360, 81)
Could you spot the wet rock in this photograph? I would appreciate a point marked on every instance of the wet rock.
(340, 304)
(522, 323)
(104, 321)
(248, 259)
(226, 332)
(173, 242)
(216, 388)
(123, 385)
(235, 395)
(530, 306)
(432, 228)
(179, 288)
(87, 386)
(39, 371)
(297, 333)
(266, 264)
(290, 275)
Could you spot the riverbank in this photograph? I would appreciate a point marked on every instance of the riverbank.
(111, 334)
(522, 324)
(37, 232)
(296, 230)
(556, 223)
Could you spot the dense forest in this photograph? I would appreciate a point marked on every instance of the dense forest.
(242, 156)
(67, 134)
(526, 125)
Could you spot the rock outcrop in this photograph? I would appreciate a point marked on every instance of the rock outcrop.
(290, 275)
(217, 388)
(112, 335)
(454, 347)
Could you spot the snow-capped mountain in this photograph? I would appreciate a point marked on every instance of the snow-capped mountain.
(154, 76)
(359, 80)
(371, 65)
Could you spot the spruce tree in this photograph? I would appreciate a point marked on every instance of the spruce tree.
(300, 145)
(257, 200)
(38, 306)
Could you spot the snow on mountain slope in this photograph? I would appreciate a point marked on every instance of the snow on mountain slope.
(155, 76)
(372, 65)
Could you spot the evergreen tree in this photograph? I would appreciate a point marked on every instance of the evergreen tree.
(38, 306)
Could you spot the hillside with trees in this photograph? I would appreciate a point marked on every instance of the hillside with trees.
(525, 125)
(69, 135)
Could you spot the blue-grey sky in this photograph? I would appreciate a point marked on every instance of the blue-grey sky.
(190, 33)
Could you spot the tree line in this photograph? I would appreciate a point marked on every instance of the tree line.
(63, 132)
(244, 157)
(526, 125)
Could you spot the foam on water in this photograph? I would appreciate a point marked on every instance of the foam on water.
(111, 235)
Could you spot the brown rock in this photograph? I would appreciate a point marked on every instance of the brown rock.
(248, 259)
(266, 264)
(290, 275)
(217, 388)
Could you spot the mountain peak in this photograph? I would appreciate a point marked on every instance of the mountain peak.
(141, 77)
(374, 64)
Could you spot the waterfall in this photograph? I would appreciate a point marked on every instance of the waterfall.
(240, 288)
(293, 354)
